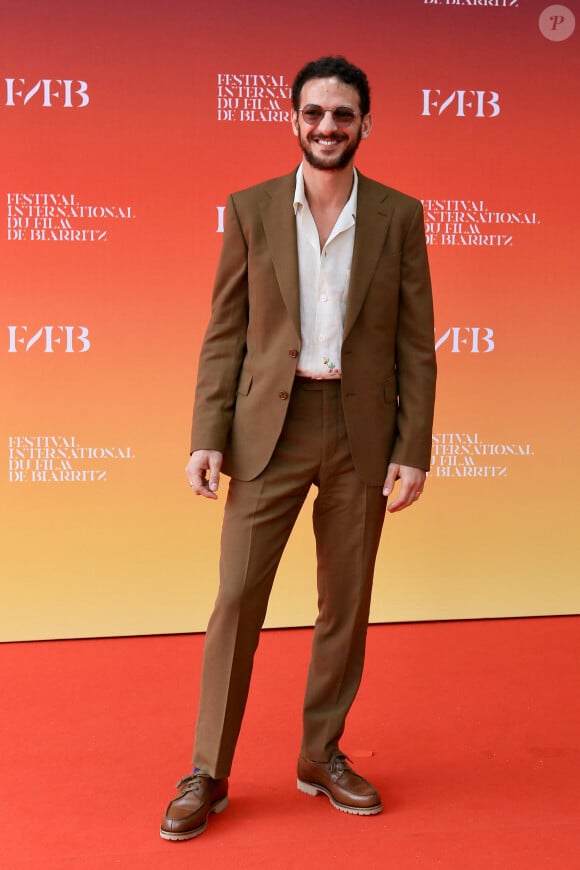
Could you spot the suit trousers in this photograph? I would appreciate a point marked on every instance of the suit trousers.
(259, 515)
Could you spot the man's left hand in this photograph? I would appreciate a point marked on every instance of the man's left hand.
(412, 483)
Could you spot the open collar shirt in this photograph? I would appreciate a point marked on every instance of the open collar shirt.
(324, 277)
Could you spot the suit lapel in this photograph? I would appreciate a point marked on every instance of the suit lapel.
(279, 223)
(373, 216)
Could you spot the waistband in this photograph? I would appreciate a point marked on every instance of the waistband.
(316, 383)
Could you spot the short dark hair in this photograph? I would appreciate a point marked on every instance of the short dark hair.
(328, 67)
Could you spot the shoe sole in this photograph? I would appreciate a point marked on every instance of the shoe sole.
(217, 808)
(314, 789)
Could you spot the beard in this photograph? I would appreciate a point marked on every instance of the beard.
(330, 163)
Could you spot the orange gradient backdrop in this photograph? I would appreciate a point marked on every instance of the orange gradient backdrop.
(475, 110)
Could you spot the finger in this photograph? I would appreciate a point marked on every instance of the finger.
(405, 497)
(197, 481)
(203, 488)
(214, 473)
(198, 484)
(206, 492)
(392, 472)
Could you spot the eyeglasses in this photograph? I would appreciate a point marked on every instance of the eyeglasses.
(342, 116)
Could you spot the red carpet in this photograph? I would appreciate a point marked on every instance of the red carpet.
(471, 730)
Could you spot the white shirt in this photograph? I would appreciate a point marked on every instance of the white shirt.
(324, 277)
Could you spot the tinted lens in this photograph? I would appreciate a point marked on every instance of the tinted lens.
(312, 114)
(343, 115)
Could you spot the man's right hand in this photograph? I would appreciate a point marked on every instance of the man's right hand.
(201, 462)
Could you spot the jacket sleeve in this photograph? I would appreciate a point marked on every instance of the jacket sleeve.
(415, 351)
(224, 344)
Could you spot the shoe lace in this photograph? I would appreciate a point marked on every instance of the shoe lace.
(192, 781)
(338, 763)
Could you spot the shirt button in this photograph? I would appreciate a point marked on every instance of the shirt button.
(293, 353)
(282, 394)
(324, 298)
(322, 339)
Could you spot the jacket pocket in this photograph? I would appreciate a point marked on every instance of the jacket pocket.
(244, 383)
(390, 389)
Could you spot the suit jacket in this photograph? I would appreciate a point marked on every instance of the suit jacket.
(249, 354)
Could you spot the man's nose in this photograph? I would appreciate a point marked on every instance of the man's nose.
(327, 124)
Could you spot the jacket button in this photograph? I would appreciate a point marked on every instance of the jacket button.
(282, 394)
(293, 353)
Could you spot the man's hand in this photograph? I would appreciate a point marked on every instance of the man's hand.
(200, 462)
(412, 483)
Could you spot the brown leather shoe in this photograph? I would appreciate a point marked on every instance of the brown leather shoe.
(345, 789)
(187, 814)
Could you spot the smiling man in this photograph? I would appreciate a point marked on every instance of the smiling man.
(317, 369)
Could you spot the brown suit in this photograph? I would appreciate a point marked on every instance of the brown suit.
(279, 436)
(248, 360)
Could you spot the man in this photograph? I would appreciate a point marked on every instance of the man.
(317, 368)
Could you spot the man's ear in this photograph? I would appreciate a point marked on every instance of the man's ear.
(366, 127)
(294, 122)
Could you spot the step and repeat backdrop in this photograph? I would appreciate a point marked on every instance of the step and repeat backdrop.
(124, 128)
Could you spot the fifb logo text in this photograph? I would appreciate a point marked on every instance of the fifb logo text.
(461, 103)
(48, 93)
(469, 339)
(48, 339)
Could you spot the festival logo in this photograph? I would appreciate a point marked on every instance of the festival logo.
(47, 93)
(460, 103)
(48, 339)
(253, 97)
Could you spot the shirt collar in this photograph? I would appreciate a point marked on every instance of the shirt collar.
(300, 193)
